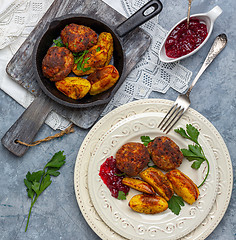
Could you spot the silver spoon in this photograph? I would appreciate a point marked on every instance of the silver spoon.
(183, 101)
(188, 16)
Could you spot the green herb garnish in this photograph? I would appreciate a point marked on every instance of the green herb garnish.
(194, 152)
(80, 61)
(150, 164)
(119, 174)
(121, 195)
(98, 49)
(146, 140)
(92, 41)
(58, 42)
(81, 40)
(175, 203)
(37, 182)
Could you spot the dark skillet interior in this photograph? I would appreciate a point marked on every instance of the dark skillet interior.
(46, 42)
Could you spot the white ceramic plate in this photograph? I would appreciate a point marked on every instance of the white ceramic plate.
(214, 142)
(117, 214)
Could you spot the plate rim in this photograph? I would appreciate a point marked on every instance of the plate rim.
(93, 183)
(152, 102)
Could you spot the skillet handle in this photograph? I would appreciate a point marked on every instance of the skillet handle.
(140, 17)
(27, 125)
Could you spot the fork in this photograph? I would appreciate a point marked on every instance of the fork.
(183, 101)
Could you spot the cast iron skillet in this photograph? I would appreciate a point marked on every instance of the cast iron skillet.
(29, 123)
(53, 30)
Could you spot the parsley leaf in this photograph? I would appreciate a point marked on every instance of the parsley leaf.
(98, 49)
(175, 203)
(121, 195)
(119, 174)
(146, 140)
(58, 160)
(58, 42)
(37, 182)
(34, 176)
(192, 132)
(194, 152)
(150, 164)
(80, 61)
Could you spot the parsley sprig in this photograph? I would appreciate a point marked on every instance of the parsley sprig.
(121, 195)
(175, 203)
(146, 140)
(37, 182)
(58, 42)
(194, 152)
(81, 61)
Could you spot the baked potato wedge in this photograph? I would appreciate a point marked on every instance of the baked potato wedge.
(103, 79)
(138, 184)
(183, 186)
(90, 60)
(157, 179)
(148, 204)
(73, 87)
(105, 39)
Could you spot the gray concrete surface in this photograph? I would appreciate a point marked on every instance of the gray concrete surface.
(56, 214)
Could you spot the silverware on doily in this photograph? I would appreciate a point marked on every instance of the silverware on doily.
(183, 101)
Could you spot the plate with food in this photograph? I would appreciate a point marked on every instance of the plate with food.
(130, 218)
(157, 175)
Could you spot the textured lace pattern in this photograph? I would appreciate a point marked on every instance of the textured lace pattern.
(20, 17)
(150, 74)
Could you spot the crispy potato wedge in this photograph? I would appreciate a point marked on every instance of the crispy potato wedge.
(105, 39)
(183, 186)
(73, 87)
(138, 184)
(148, 204)
(103, 79)
(157, 179)
(95, 58)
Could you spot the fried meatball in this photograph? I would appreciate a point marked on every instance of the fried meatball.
(131, 158)
(165, 154)
(57, 63)
(78, 37)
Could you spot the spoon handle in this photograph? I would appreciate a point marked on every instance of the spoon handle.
(217, 46)
(189, 8)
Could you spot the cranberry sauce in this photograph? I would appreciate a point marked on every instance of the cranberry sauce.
(182, 41)
(108, 173)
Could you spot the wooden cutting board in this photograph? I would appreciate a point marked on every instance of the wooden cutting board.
(21, 70)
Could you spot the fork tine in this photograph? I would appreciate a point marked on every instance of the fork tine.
(165, 117)
(180, 113)
(173, 109)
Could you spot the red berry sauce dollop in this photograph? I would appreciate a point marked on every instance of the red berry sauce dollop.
(108, 173)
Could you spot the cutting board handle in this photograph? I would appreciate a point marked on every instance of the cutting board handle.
(27, 125)
(145, 13)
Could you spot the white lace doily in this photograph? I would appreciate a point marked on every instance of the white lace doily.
(150, 74)
(21, 16)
